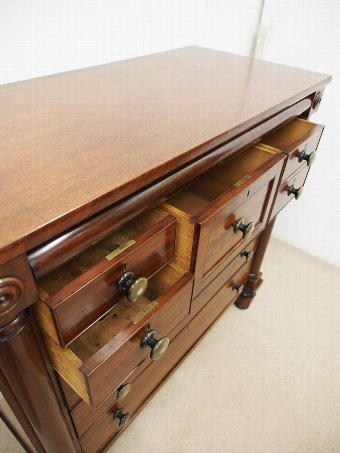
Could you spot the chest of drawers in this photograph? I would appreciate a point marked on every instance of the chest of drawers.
(140, 199)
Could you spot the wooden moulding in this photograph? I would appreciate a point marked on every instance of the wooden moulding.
(88, 363)
(64, 247)
(17, 289)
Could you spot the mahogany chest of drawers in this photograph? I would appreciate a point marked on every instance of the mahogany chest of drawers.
(138, 201)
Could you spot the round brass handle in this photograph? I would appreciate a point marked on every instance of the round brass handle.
(296, 192)
(248, 254)
(246, 229)
(133, 287)
(309, 158)
(158, 347)
(122, 391)
(123, 418)
(238, 288)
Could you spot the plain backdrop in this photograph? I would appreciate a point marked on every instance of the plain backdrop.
(40, 37)
(307, 34)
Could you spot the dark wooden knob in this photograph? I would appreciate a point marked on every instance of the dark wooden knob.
(11, 292)
(133, 287)
(123, 418)
(122, 391)
(238, 288)
(248, 254)
(158, 347)
(296, 192)
(309, 158)
(317, 100)
(245, 228)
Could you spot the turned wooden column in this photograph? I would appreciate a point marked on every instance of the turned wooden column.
(255, 276)
(25, 381)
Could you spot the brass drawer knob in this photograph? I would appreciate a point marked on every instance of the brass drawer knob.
(296, 192)
(123, 418)
(122, 391)
(238, 288)
(309, 158)
(158, 347)
(245, 228)
(248, 254)
(133, 287)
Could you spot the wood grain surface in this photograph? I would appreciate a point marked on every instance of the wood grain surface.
(80, 303)
(74, 143)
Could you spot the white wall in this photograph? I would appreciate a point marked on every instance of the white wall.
(306, 33)
(39, 37)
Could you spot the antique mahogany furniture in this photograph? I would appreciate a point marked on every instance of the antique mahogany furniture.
(138, 199)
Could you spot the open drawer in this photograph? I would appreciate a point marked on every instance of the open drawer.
(102, 357)
(298, 139)
(220, 212)
(77, 293)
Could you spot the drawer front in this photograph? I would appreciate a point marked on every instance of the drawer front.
(221, 211)
(106, 428)
(77, 305)
(223, 237)
(242, 254)
(84, 416)
(108, 376)
(231, 284)
(298, 139)
(96, 374)
(284, 194)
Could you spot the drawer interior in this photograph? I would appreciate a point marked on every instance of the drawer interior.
(196, 197)
(290, 135)
(114, 322)
(108, 248)
(96, 362)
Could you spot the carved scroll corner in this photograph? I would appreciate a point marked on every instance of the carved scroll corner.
(11, 292)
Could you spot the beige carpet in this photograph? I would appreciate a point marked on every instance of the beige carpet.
(265, 380)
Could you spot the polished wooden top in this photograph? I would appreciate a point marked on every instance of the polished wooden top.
(74, 143)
